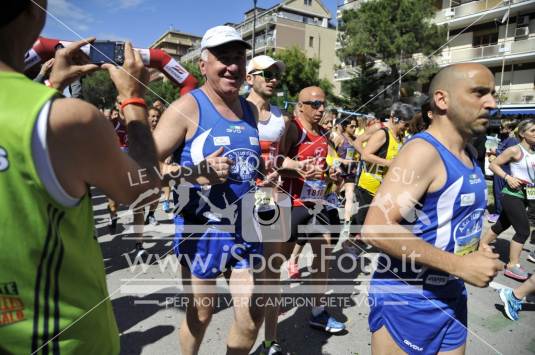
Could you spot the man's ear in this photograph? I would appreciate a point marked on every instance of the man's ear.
(441, 99)
(202, 67)
(249, 79)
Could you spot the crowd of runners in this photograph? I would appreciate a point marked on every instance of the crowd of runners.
(244, 181)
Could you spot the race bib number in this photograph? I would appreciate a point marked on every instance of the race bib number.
(530, 192)
(313, 190)
(350, 153)
(466, 245)
(264, 196)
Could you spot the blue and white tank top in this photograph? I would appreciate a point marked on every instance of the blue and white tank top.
(221, 203)
(451, 219)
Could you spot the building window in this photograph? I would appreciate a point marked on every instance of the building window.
(485, 38)
(308, 2)
(311, 41)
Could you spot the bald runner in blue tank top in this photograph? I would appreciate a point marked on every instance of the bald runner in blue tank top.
(209, 253)
(450, 219)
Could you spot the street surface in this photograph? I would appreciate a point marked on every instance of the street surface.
(149, 307)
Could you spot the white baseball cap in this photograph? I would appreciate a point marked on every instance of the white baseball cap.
(262, 62)
(219, 35)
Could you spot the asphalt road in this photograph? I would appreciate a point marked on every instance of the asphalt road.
(149, 307)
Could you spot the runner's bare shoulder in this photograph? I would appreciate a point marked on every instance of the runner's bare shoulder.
(422, 158)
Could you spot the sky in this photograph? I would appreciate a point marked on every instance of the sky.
(144, 21)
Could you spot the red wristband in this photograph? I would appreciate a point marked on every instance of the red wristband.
(48, 83)
(138, 101)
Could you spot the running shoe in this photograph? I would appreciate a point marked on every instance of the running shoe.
(166, 206)
(293, 270)
(273, 349)
(531, 256)
(511, 304)
(493, 218)
(516, 272)
(141, 252)
(327, 323)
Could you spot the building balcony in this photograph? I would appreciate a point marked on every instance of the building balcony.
(191, 55)
(464, 14)
(490, 55)
(246, 28)
(513, 96)
(346, 73)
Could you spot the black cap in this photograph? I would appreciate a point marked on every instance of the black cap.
(10, 9)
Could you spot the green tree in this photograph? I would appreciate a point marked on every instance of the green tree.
(300, 72)
(389, 30)
(193, 68)
(363, 87)
(98, 89)
(161, 89)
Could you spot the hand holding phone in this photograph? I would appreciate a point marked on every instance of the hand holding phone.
(69, 64)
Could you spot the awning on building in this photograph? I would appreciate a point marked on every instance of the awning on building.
(510, 111)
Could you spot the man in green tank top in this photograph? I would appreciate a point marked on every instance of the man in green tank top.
(53, 294)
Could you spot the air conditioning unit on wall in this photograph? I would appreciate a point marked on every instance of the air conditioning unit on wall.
(521, 32)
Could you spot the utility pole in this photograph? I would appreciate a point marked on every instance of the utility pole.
(254, 28)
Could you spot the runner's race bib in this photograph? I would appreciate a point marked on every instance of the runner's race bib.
(350, 153)
(264, 196)
(313, 190)
(530, 192)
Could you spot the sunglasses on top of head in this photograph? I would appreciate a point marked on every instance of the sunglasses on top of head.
(268, 75)
(316, 104)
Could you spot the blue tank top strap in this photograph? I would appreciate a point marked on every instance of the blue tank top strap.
(444, 152)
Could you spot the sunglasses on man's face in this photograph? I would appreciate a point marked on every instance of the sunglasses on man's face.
(268, 75)
(316, 104)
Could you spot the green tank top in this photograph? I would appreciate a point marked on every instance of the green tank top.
(52, 279)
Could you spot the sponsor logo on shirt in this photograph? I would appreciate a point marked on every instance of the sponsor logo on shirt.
(223, 140)
(235, 129)
(468, 199)
(474, 179)
(11, 305)
(246, 163)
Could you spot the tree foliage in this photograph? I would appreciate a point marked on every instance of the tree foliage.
(300, 73)
(193, 68)
(388, 30)
(164, 90)
(98, 89)
(364, 87)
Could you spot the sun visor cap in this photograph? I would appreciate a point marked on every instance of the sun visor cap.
(219, 35)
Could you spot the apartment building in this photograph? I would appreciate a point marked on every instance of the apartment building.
(302, 23)
(176, 43)
(497, 33)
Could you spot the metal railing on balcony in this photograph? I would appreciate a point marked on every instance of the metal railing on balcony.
(513, 96)
(191, 55)
(472, 8)
(345, 73)
(508, 48)
(261, 20)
